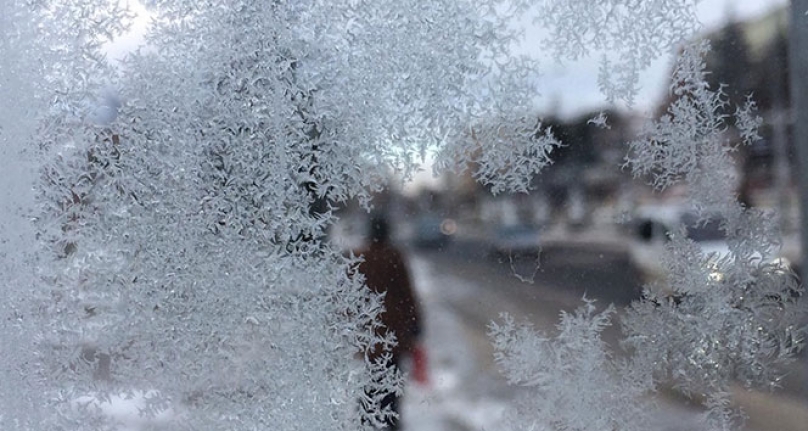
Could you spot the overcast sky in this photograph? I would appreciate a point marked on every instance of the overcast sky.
(573, 90)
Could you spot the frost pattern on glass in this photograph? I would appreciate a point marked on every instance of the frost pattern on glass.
(714, 320)
(184, 253)
(49, 63)
(179, 249)
(627, 34)
(687, 143)
(721, 318)
(601, 120)
(504, 158)
(574, 380)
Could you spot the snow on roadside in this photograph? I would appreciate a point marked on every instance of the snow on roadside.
(128, 411)
(453, 399)
(467, 394)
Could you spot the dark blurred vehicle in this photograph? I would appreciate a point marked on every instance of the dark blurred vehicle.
(432, 231)
(516, 240)
(653, 226)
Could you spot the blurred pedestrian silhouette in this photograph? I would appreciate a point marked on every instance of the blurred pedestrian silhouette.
(385, 271)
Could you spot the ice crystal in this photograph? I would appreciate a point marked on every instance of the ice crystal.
(575, 382)
(715, 319)
(601, 121)
(747, 121)
(47, 54)
(176, 252)
(627, 34)
(504, 158)
(183, 241)
(686, 143)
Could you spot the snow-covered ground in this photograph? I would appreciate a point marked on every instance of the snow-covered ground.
(126, 410)
(461, 394)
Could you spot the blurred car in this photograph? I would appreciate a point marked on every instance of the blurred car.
(515, 240)
(653, 226)
(432, 231)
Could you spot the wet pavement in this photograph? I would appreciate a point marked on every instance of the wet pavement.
(466, 391)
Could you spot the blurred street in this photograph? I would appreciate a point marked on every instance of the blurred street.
(463, 288)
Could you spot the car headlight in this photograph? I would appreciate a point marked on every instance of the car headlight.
(448, 227)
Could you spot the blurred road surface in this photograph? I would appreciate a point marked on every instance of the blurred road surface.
(463, 290)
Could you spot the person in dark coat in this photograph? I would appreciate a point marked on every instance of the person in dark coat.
(385, 271)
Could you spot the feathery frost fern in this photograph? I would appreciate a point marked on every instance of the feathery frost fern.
(176, 251)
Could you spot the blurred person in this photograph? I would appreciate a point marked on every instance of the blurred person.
(386, 272)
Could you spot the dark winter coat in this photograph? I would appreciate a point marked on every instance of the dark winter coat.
(386, 272)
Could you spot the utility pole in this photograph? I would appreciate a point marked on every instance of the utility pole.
(798, 65)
